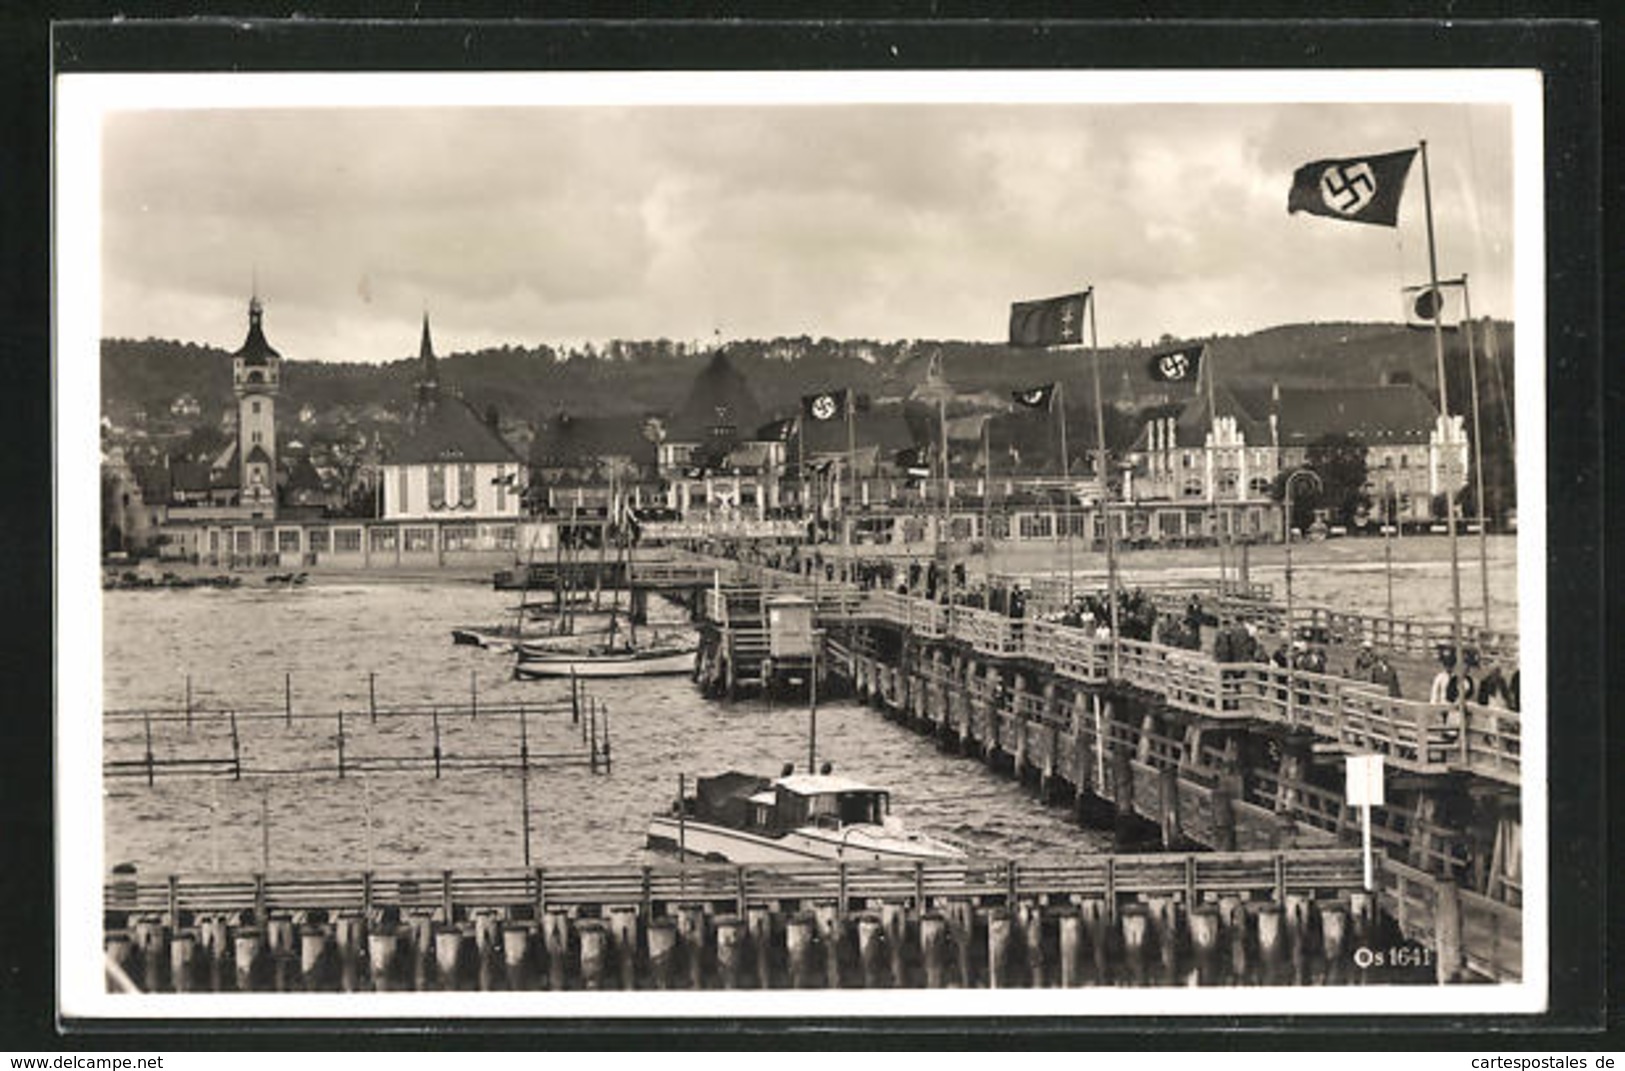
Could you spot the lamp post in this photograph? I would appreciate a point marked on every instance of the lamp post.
(1290, 667)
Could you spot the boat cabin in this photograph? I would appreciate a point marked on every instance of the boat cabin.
(826, 800)
(770, 808)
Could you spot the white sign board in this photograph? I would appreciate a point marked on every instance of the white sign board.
(1364, 780)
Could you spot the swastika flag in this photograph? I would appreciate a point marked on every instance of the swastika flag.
(826, 405)
(1177, 366)
(1056, 321)
(1034, 397)
(1359, 189)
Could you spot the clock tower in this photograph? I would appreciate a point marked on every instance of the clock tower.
(256, 373)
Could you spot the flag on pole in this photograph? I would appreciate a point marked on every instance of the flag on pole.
(1358, 189)
(1055, 321)
(826, 405)
(1034, 397)
(908, 459)
(778, 431)
(1422, 303)
(1178, 366)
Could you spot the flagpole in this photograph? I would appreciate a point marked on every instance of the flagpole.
(852, 473)
(945, 536)
(1213, 452)
(1478, 449)
(1059, 401)
(801, 464)
(987, 498)
(1105, 489)
(1444, 414)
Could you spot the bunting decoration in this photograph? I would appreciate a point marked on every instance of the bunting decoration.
(1356, 189)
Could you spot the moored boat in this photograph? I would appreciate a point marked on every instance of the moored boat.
(741, 818)
(599, 659)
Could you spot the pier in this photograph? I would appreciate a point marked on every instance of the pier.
(1192, 918)
(1172, 747)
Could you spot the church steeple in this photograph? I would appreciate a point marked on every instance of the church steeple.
(256, 373)
(428, 384)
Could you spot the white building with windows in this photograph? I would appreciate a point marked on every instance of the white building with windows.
(453, 464)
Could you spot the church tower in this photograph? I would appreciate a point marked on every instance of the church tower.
(428, 383)
(256, 374)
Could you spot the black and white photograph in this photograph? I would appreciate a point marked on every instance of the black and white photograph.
(646, 544)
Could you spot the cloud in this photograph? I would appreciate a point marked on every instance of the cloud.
(531, 224)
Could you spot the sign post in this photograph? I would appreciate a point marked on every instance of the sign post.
(1363, 779)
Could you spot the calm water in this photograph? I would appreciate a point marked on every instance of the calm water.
(237, 646)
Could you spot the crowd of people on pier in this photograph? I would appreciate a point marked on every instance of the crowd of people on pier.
(1139, 618)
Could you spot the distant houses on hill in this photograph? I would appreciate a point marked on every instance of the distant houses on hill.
(436, 456)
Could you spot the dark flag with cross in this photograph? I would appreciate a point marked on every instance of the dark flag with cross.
(1358, 189)
(1177, 366)
(1034, 397)
(1056, 321)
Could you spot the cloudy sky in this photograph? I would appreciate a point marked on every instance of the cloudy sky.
(531, 224)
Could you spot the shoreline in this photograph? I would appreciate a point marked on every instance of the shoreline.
(1348, 554)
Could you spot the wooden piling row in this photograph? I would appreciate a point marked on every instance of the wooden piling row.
(953, 943)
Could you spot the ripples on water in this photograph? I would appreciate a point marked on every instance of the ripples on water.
(237, 646)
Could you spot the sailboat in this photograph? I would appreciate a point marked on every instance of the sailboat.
(609, 651)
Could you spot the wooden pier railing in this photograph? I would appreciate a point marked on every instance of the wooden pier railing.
(1191, 877)
(1354, 716)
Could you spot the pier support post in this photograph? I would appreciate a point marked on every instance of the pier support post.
(662, 952)
(1447, 929)
(1095, 914)
(998, 948)
(591, 938)
(871, 951)
(1333, 939)
(1225, 793)
(934, 949)
(1136, 924)
(691, 932)
(556, 943)
(183, 962)
(623, 941)
(516, 959)
(759, 927)
(1271, 941)
(893, 923)
(1168, 807)
(1070, 923)
(1165, 932)
(798, 940)
(1203, 921)
(961, 917)
(1031, 918)
(313, 958)
(729, 936)
(349, 934)
(831, 932)
(1233, 924)
(451, 955)
(248, 950)
(383, 960)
